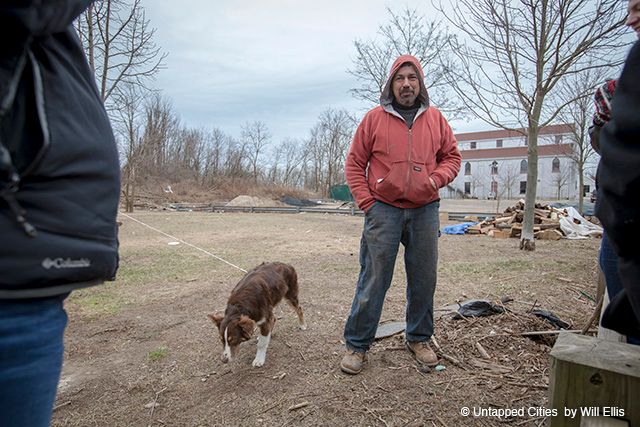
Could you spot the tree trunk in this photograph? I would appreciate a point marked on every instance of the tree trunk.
(581, 188)
(527, 241)
(90, 40)
(105, 60)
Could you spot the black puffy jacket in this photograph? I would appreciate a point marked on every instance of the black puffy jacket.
(59, 168)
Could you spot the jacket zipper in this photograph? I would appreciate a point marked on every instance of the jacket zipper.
(11, 178)
(408, 179)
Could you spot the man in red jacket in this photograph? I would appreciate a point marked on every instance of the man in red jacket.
(402, 153)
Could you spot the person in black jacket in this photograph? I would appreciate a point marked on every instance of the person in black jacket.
(59, 189)
(618, 203)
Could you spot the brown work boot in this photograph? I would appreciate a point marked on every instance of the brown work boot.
(352, 362)
(422, 352)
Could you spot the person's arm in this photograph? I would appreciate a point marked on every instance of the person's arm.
(22, 18)
(355, 168)
(602, 101)
(594, 137)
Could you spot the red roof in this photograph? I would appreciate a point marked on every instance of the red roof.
(504, 134)
(518, 152)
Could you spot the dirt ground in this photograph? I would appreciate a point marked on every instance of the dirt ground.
(141, 352)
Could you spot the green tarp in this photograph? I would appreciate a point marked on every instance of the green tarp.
(341, 192)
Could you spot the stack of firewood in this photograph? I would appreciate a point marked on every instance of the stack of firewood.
(509, 223)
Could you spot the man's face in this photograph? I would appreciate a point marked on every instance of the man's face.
(406, 85)
(633, 20)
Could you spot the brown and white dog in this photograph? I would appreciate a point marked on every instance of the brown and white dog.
(251, 304)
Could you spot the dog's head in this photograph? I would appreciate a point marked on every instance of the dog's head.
(233, 332)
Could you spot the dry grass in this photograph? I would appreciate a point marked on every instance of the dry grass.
(154, 191)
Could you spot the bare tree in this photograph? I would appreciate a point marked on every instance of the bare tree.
(580, 88)
(328, 146)
(517, 52)
(131, 148)
(286, 163)
(477, 182)
(560, 179)
(507, 178)
(314, 175)
(256, 138)
(118, 40)
(186, 154)
(407, 32)
(235, 159)
(213, 157)
(160, 126)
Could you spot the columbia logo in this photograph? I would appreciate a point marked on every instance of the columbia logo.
(49, 263)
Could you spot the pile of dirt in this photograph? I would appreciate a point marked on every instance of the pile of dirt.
(243, 200)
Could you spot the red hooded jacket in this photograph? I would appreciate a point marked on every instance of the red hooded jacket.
(389, 162)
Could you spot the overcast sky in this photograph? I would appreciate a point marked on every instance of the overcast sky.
(282, 62)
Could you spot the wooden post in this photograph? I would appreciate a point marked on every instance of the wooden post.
(598, 379)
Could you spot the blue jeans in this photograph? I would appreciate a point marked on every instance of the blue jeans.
(385, 227)
(31, 351)
(609, 266)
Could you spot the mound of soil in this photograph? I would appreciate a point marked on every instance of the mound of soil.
(253, 201)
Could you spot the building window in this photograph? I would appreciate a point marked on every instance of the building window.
(467, 168)
(467, 188)
(586, 189)
(558, 139)
(555, 165)
(523, 187)
(494, 188)
(499, 143)
(524, 166)
(494, 168)
(472, 145)
(526, 140)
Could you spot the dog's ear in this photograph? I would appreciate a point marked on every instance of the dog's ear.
(216, 318)
(247, 326)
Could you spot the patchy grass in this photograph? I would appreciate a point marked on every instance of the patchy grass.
(157, 354)
(99, 301)
(466, 268)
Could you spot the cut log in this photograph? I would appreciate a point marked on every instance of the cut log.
(494, 367)
(551, 221)
(548, 235)
(542, 213)
(482, 351)
(549, 226)
(474, 229)
(501, 234)
(504, 219)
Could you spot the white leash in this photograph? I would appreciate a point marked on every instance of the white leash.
(182, 241)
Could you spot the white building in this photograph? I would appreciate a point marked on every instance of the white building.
(494, 164)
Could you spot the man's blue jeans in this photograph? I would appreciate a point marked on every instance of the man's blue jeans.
(31, 351)
(385, 227)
